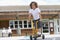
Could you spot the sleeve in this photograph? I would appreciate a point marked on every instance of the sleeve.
(30, 11)
(39, 10)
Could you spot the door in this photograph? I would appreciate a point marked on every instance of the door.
(45, 28)
(51, 25)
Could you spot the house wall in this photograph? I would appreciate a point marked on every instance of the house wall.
(4, 23)
(24, 16)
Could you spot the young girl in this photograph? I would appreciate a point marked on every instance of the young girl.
(35, 12)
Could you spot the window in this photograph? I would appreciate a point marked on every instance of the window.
(19, 24)
(45, 27)
(25, 24)
(58, 29)
(58, 21)
(29, 25)
(11, 24)
(16, 24)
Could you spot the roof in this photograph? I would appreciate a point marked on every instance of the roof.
(26, 8)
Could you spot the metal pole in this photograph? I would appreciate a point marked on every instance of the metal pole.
(17, 16)
(59, 19)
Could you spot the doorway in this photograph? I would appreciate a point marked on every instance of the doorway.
(45, 27)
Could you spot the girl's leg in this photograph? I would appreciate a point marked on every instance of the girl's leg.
(39, 27)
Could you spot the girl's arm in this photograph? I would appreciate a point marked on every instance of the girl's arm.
(40, 16)
(29, 16)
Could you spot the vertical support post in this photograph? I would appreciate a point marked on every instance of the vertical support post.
(59, 20)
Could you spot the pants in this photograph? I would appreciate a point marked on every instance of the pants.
(37, 23)
(10, 34)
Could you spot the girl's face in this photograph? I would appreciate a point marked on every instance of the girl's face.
(33, 6)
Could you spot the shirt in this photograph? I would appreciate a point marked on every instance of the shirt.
(35, 13)
(4, 31)
(9, 31)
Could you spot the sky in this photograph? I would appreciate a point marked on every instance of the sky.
(27, 2)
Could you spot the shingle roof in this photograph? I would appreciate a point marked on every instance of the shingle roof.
(26, 8)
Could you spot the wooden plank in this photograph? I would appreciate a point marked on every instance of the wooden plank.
(7, 17)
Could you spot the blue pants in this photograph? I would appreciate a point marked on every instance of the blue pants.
(37, 23)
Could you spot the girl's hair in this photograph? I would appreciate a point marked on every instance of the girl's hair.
(34, 4)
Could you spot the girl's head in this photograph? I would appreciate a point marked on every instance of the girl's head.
(33, 5)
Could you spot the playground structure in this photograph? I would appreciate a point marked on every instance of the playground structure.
(35, 31)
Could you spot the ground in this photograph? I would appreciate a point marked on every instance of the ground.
(47, 37)
(58, 38)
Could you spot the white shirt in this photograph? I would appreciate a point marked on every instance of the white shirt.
(35, 13)
(9, 31)
(4, 31)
